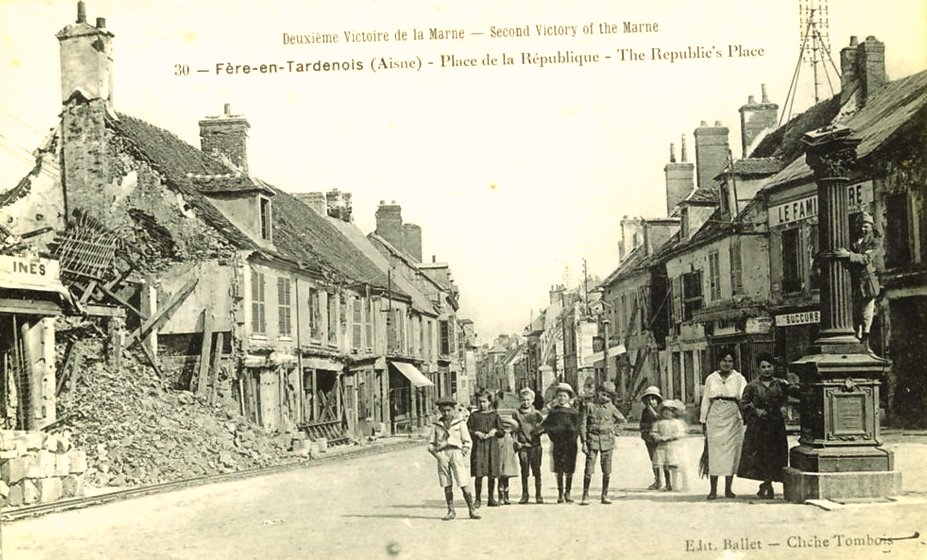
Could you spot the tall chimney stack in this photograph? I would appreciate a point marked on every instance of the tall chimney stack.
(755, 119)
(389, 223)
(86, 54)
(711, 152)
(679, 177)
(226, 138)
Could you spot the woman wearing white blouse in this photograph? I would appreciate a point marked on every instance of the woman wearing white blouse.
(722, 423)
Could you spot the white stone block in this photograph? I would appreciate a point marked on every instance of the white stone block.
(47, 463)
(72, 486)
(14, 470)
(62, 465)
(30, 492)
(34, 440)
(49, 489)
(77, 459)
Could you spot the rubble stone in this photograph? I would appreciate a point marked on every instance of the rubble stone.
(72, 486)
(14, 470)
(30, 492)
(49, 489)
(15, 498)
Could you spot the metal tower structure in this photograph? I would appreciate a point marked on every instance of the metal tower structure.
(814, 51)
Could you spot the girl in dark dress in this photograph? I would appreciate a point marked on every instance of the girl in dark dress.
(765, 448)
(485, 426)
(562, 427)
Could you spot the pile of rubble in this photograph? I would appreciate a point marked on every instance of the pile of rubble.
(136, 430)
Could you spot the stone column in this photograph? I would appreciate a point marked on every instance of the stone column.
(839, 455)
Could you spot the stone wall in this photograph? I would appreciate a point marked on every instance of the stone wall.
(36, 467)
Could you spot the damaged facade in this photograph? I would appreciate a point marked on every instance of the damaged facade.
(274, 305)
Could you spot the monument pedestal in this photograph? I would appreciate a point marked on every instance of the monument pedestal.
(839, 454)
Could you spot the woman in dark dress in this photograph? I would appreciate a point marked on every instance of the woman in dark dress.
(485, 426)
(765, 448)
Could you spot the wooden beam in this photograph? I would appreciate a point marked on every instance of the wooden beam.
(123, 302)
(65, 366)
(162, 315)
(214, 370)
(151, 361)
(205, 351)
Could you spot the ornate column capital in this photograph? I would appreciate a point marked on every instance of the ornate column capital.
(831, 151)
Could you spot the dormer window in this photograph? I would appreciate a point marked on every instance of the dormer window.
(265, 218)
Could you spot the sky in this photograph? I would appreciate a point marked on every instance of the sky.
(515, 172)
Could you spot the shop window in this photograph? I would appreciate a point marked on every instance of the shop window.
(368, 323)
(258, 318)
(897, 231)
(283, 306)
(791, 261)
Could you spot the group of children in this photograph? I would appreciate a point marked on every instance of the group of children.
(487, 446)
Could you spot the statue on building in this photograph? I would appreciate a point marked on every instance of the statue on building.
(861, 259)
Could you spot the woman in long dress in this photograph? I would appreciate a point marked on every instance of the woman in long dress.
(722, 423)
(765, 451)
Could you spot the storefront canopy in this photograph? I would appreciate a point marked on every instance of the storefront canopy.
(412, 373)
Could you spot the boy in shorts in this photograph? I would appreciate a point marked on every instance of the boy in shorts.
(449, 443)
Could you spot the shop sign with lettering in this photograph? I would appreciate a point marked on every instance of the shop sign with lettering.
(859, 198)
(29, 273)
(801, 318)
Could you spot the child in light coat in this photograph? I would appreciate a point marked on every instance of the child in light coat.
(668, 433)
(508, 458)
(450, 443)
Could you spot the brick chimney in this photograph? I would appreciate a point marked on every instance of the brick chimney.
(631, 235)
(679, 177)
(756, 118)
(711, 152)
(848, 80)
(86, 54)
(870, 68)
(314, 200)
(412, 241)
(389, 223)
(225, 137)
(339, 205)
(862, 70)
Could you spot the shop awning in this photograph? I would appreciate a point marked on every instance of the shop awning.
(412, 373)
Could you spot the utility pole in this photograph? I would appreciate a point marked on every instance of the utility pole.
(586, 287)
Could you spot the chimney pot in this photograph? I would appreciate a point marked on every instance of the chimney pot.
(751, 100)
(434, 259)
(683, 139)
(718, 123)
(703, 123)
(765, 97)
(227, 109)
(672, 153)
(81, 12)
(853, 40)
(101, 23)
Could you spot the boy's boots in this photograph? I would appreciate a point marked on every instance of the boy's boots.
(537, 490)
(656, 480)
(584, 501)
(501, 493)
(605, 499)
(507, 502)
(560, 488)
(524, 490)
(470, 505)
(491, 502)
(567, 487)
(449, 497)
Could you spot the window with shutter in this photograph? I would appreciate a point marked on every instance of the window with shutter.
(357, 323)
(258, 320)
(736, 268)
(283, 307)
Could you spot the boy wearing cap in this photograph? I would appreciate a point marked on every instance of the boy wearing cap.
(449, 443)
(861, 260)
(597, 433)
(562, 427)
(528, 437)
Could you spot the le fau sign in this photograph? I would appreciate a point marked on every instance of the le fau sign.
(859, 198)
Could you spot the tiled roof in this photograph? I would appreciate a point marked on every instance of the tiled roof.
(785, 142)
(236, 183)
(885, 114)
(174, 158)
(703, 195)
(754, 166)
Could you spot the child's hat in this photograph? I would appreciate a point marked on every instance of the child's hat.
(674, 404)
(446, 401)
(526, 392)
(565, 387)
(653, 390)
(510, 421)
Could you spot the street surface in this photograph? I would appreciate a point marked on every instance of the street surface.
(390, 506)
